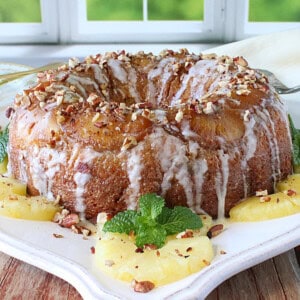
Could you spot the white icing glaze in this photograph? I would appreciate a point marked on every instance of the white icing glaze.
(165, 70)
(132, 78)
(193, 148)
(48, 159)
(82, 156)
(195, 79)
(117, 69)
(275, 143)
(77, 81)
(81, 179)
(264, 116)
(221, 181)
(199, 170)
(134, 169)
(22, 165)
(249, 147)
(160, 115)
(100, 77)
(172, 155)
(186, 130)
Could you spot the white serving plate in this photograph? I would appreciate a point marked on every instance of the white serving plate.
(245, 244)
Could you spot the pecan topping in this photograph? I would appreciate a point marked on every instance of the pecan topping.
(215, 230)
(142, 286)
(264, 199)
(83, 168)
(69, 220)
(291, 193)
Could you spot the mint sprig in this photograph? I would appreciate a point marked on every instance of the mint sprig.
(295, 134)
(3, 143)
(153, 222)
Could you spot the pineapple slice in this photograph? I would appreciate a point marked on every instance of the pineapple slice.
(291, 183)
(284, 203)
(14, 202)
(116, 255)
(10, 186)
(30, 208)
(3, 165)
(265, 208)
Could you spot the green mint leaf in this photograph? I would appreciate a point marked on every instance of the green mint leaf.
(123, 222)
(179, 219)
(151, 205)
(153, 221)
(295, 134)
(154, 235)
(164, 216)
(3, 144)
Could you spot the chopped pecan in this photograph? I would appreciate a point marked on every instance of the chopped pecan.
(58, 236)
(291, 193)
(264, 199)
(215, 230)
(83, 168)
(142, 286)
(69, 220)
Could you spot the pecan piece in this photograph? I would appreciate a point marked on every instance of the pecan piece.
(215, 230)
(142, 286)
(69, 220)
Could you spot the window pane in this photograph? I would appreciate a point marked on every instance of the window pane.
(175, 10)
(274, 10)
(123, 10)
(20, 11)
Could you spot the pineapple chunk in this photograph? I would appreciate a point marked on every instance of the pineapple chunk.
(284, 203)
(265, 208)
(10, 186)
(30, 208)
(3, 165)
(291, 183)
(116, 255)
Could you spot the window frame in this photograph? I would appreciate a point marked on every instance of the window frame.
(80, 30)
(250, 29)
(65, 22)
(44, 32)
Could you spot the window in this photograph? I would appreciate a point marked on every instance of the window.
(147, 21)
(266, 16)
(19, 11)
(274, 11)
(153, 10)
(24, 21)
(137, 21)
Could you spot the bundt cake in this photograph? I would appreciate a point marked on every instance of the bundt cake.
(200, 130)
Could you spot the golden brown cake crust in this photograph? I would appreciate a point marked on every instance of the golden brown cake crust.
(202, 131)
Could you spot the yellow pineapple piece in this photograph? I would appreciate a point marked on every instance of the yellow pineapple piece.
(283, 203)
(3, 165)
(11, 186)
(265, 208)
(207, 223)
(116, 255)
(291, 183)
(36, 208)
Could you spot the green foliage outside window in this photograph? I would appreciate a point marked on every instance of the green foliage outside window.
(132, 10)
(274, 10)
(20, 11)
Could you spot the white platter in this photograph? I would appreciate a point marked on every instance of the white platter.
(70, 258)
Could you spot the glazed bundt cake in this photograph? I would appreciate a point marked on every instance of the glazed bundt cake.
(200, 130)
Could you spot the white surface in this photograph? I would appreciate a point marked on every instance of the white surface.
(246, 244)
(70, 258)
